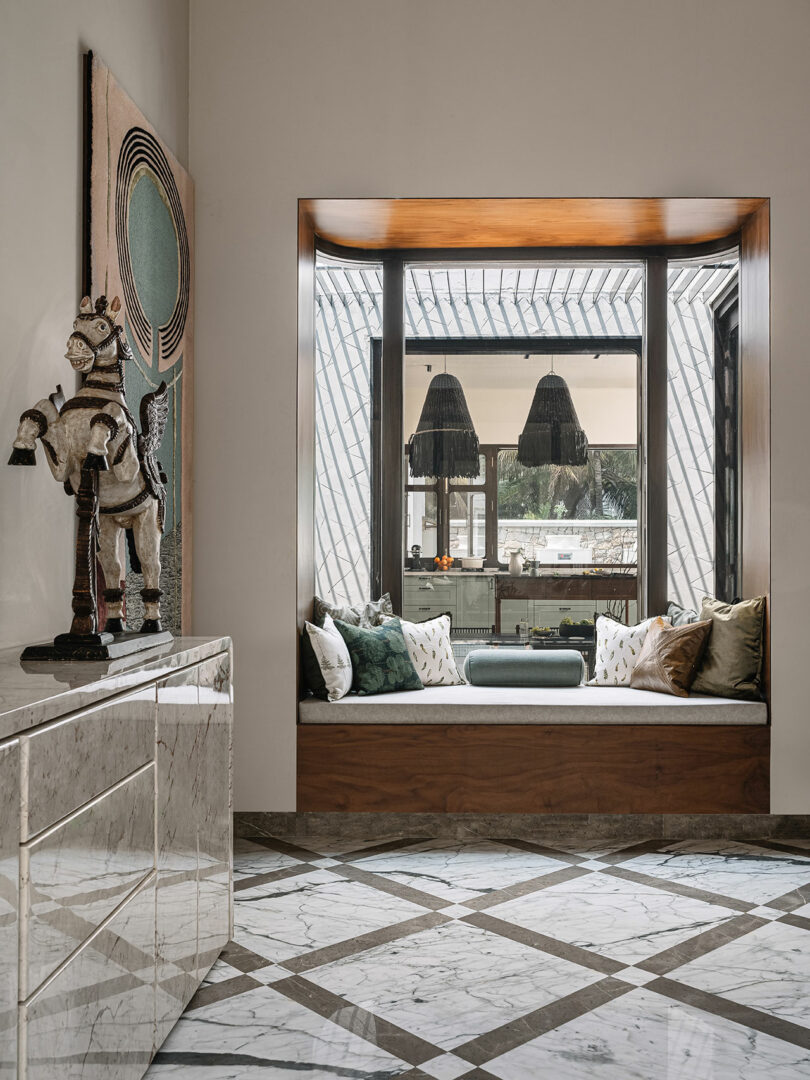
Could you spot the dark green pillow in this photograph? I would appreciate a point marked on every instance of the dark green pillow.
(732, 662)
(380, 658)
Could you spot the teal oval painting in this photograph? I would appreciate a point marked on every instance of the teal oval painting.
(154, 255)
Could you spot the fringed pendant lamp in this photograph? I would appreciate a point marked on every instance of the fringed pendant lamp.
(552, 435)
(444, 443)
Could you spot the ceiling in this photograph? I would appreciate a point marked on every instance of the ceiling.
(512, 371)
(476, 223)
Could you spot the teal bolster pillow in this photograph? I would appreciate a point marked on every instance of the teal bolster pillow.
(380, 658)
(524, 667)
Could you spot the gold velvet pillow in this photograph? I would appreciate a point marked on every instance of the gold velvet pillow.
(732, 664)
(669, 657)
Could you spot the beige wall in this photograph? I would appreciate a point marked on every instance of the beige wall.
(145, 42)
(463, 97)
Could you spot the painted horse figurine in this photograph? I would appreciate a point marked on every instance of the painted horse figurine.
(93, 447)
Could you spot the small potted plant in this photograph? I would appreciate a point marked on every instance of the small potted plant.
(582, 629)
(541, 631)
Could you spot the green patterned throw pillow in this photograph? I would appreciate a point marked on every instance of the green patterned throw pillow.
(380, 658)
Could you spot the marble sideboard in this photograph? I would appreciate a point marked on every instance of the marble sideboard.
(115, 854)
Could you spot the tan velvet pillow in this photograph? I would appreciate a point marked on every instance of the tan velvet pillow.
(732, 663)
(669, 657)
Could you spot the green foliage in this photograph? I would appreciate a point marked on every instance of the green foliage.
(607, 487)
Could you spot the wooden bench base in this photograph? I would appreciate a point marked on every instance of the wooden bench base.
(534, 769)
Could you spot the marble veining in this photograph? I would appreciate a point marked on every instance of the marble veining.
(453, 982)
(768, 969)
(642, 1036)
(41, 691)
(613, 917)
(263, 1034)
(75, 875)
(461, 871)
(96, 1018)
(285, 918)
(541, 985)
(743, 871)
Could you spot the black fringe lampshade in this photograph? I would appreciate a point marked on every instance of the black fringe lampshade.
(552, 435)
(445, 443)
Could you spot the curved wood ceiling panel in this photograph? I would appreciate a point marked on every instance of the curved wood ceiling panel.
(477, 223)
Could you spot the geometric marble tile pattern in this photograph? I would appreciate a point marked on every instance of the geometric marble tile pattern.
(486, 959)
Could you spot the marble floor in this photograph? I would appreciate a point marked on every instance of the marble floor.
(442, 960)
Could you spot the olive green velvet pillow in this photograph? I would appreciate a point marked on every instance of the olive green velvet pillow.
(380, 658)
(732, 662)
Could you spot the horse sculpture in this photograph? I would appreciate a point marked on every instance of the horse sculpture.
(93, 447)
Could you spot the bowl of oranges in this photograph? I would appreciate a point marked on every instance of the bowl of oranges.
(443, 563)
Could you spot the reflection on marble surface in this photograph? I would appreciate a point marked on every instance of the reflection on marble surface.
(36, 694)
(452, 983)
(213, 809)
(616, 918)
(178, 765)
(263, 1035)
(71, 762)
(95, 1020)
(250, 859)
(77, 874)
(9, 904)
(460, 871)
(285, 918)
(642, 1036)
(742, 871)
(768, 969)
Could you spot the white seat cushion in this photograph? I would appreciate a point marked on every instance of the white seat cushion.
(531, 705)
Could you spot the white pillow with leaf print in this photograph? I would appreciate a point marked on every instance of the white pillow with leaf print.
(431, 652)
(332, 656)
(617, 649)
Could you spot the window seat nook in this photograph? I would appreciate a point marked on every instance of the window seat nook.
(498, 750)
(531, 705)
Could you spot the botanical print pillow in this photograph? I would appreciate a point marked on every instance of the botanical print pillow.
(369, 613)
(431, 652)
(380, 658)
(617, 650)
(334, 665)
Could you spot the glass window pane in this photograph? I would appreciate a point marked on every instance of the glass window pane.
(422, 524)
(473, 481)
(541, 508)
(467, 523)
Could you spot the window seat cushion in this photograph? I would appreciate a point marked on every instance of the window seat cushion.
(531, 705)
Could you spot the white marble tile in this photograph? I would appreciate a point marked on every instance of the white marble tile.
(643, 1036)
(635, 976)
(95, 1019)
(613, 917)
(765, 912)
(295, 915)
(220, 972)
(768, 969)
(261, 1035)
(742, 871)
(453, 982)
(248, 862)
(75, 875)
(458, 871)
(456, 911)
(803, 911)
(326, 862)
(445, 1067)
(592, 864)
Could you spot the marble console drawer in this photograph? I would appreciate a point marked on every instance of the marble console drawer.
(75, 874)
(95, 1019)
(72, 761)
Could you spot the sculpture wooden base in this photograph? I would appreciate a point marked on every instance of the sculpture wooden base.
(96, 646)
